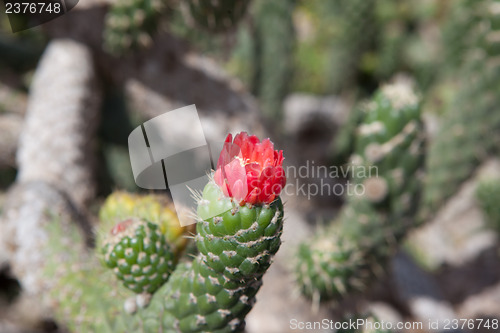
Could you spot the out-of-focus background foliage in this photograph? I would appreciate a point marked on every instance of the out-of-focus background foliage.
(292, 70)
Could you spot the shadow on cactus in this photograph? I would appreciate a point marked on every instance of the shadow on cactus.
(350, 253)
(144, 283)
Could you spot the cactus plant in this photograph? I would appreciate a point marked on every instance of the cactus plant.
(130, 24)
(469, 130)
(120, 206)
(216, 16)
(487, 194)
(139, 255)
(356, 246)
(274, 45)
(356, 22)
(240, 219)
(458, 25)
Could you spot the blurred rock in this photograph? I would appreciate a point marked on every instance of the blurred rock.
(84, 4)
(384, 312)
(310, 124)
(22, 316)
(481, 305)
(304, 110)
(216, 123)
(458, 232)
(419, 291)
(10, 130)
(12, 101)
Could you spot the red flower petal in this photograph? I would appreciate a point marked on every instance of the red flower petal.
(249, 170)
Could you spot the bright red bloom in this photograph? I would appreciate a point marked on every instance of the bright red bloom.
(250, 171)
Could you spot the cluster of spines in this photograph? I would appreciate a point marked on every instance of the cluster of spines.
(327, 263)
(367, 231)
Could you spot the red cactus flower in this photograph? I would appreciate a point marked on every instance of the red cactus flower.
(250, 171)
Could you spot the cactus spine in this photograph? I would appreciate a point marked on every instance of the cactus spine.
(348, 254)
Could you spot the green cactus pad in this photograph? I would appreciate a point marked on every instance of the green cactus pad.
(139, 255)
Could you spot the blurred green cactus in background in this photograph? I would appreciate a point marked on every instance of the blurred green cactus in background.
(488, 193)
(357, 245)
(466, 138)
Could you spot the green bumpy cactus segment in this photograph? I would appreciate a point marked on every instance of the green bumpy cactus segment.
(347, 255)
(331, 266)
(217, 16)
(488, 196)
(139, 256)
(120, 206)
(469, 131)
(236, 248)
(354, 249)
(391, 138)
(130, 24)
(274, 43)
